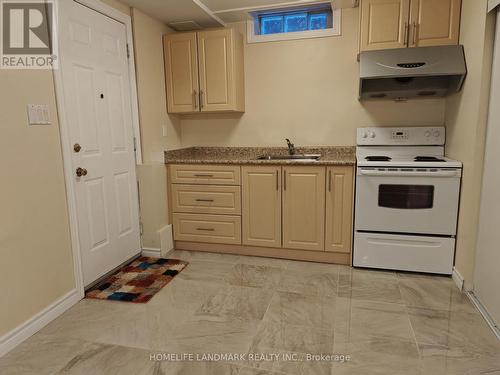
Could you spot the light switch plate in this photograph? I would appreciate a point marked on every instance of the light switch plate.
(38, 114)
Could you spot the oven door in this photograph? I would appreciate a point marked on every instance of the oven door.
(403, 200)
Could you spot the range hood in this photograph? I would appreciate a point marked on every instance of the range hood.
(405, 73)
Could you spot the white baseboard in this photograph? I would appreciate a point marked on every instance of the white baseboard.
(151, 252)
(458, 279)
(27, 329)
(484, 312)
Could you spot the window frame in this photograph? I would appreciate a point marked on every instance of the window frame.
(335, 30)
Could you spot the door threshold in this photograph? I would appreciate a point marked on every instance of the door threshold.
(107, 274)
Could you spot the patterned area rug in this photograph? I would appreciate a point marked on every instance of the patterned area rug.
(138, 281)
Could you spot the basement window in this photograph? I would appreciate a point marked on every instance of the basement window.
(294, 23)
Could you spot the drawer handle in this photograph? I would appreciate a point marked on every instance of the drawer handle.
(206, 229)
(204, 200)
(204, 175)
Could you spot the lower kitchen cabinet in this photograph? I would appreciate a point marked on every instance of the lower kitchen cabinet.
(339, 209)
(207, 228)
(261, 206)
(304, 208)
(302, 212)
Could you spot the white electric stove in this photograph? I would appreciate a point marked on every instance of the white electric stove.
(407, 196)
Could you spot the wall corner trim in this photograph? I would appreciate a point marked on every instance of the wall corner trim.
(31, 326)
(458, 279)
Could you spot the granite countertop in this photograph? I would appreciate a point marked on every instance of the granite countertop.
(248, 155)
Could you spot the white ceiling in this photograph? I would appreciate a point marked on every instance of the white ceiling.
(207, 13)
(169, 11)
(224, 5)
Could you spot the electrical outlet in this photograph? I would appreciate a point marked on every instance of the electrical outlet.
(164, 130)
(38, 114)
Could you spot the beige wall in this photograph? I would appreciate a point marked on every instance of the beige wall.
(34, 230)
(150, 73)
(305, 90)
(466, 115)
(148, 45)
(35, 247)
(153, 198)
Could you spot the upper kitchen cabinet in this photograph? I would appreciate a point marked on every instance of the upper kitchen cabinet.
(181, 72)
(434, 22)
(386, 24)
(205, 71)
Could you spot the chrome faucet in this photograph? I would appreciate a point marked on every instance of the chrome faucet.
(291, 147)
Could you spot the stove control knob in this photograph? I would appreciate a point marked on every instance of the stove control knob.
(365, 135)
(437, 133)
(427, 133)
(373, 135)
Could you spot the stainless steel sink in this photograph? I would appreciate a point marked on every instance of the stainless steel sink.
(307, 157)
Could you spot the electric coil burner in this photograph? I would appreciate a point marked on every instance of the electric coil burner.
(407, 196)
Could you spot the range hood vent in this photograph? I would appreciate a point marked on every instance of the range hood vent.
(404, 73)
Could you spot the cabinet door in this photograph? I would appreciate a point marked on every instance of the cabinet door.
(434, 22)
(181, 73)
(261, 214)
(304, 208)
(215, 53)
(339, 207)
(384, 24)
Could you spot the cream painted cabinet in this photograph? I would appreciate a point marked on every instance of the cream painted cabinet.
(300, 212)
(220, 56)
(261, 206)
(181, 72)
(304, 208)
(434, 22)
(204, 71)
(386, 24)
(339, 209)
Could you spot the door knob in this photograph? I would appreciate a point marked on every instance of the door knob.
(81, 172)
(77, 147)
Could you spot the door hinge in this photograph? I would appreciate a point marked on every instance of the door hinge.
(128, 52)
(141, 229)
(135, 144)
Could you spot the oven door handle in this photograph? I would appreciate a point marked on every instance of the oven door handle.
(450, 173)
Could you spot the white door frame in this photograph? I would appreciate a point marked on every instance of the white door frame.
(64, 126)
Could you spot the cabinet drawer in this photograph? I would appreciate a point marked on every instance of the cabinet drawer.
(207, 228)
(205, 174)
(224, 200)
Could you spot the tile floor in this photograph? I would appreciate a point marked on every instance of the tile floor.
(388, 323)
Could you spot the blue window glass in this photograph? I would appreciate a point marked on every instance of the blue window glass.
(271, 24)
(318, 21)
(295, 22)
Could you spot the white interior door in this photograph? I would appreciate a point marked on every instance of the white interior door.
(487, 273)
(97, 101)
